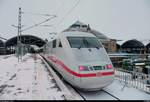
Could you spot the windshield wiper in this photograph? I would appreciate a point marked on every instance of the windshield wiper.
(96, 47)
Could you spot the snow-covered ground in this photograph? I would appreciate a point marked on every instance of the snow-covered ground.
(139, 82)
(121, 88)
(126, 93)
(26, 80)
(118, 91)
(30, 80)
(5, 56)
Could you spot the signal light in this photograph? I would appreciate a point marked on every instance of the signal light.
(109, 66)
(83, 68)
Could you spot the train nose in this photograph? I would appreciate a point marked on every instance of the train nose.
(96, 83)
(95, 76)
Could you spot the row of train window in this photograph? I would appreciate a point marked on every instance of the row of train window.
(54, 43)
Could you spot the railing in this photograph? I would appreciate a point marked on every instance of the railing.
(133, 79)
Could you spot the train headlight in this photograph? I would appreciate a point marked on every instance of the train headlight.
(109, 66)
(83, 68)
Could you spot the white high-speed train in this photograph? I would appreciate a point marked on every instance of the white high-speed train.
(81, 60)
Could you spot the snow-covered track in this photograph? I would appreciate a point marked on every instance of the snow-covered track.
(67, 94)
(97, 95)
(92, 95)
(74, 90)
(111, 95)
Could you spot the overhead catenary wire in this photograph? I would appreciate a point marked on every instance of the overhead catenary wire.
(59, 8)
(38, 24)
(70, 11)
(37, 14)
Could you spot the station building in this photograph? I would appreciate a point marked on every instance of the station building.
(118, 47)
(26, 40)
(133, 46)
(109, 44)
(148, 48)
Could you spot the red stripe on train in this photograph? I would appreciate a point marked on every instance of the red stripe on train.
(53, 59)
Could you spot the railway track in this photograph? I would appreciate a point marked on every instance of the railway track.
(97, 95)
(111, 95)
(93, 95)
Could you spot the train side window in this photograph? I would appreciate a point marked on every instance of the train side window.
(54, 43)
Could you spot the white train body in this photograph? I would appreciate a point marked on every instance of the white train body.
(81, 59)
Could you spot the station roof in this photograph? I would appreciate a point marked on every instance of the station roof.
(26, 39)
(132, 44)
(118, 45)
(148, 45)
(79, 26)
(1, 43)
(99, 35)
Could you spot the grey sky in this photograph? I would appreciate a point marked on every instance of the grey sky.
(119, 19)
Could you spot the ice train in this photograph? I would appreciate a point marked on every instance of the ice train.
(81, 60)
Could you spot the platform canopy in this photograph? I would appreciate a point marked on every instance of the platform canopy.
(132, 44)
(148, 45)
(26, 39)
(118, 45)
(1, 43)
